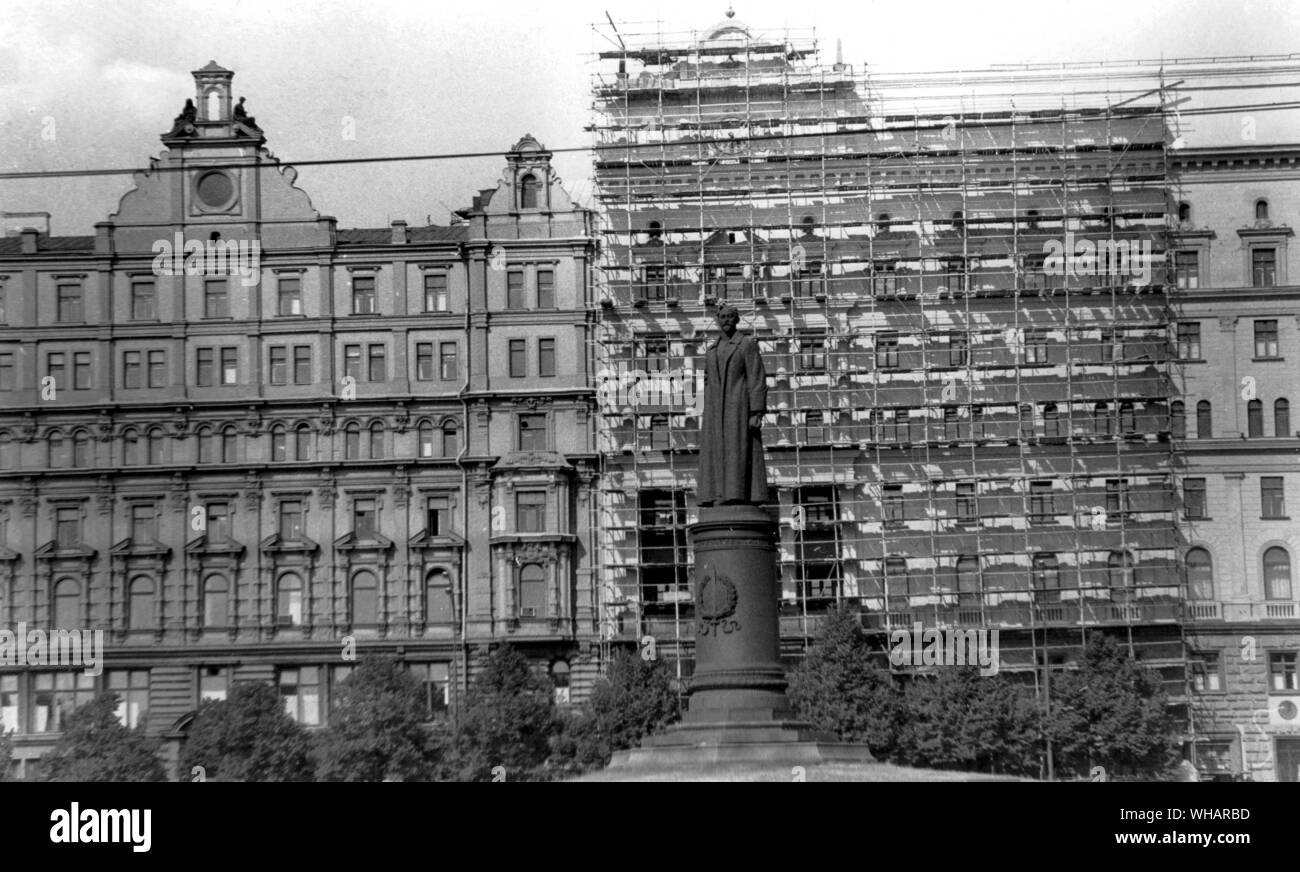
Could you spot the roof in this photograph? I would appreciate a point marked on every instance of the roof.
(415, 235)
(14, 244)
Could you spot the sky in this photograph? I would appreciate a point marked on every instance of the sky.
(93, 85)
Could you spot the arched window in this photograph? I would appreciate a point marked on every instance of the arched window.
(655, 230)
(1261, 210)
(80, 449)
(155, 447)
(532, 591)
(130, 447)
(1255, 419)
(67, 604)
(288, 601)
(229, 445)
(365, 599)
(352, 441)
(1119, 570)
(450, 439)
(1204, 422)
(1184, 211)
(1277, 574)
(1178, 419)
(279, 444)
(426, 439)
(1101, 419)
(214, 106)
(376, 441)
(560, 680)
(1051, 420)
(302, 442)
(1200, 574)
(207, 445)
(1281, 418)
(968, 575)
(1127, 418)
(140, 614)
(215, 601)
(530, 190)
(437, 598)
(57, 448)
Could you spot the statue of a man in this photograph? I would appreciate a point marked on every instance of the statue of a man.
(732, 469)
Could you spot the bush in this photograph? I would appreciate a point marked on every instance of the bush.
(508, 721)
(376, 728)
(636, 698)
(96, 747)
(248, 737)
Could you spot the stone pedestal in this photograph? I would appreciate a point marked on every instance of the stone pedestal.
(738, 709)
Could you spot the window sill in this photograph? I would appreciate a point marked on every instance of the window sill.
(1197, 518)
(1275, 517)
(1189, 360)
(1267, 359)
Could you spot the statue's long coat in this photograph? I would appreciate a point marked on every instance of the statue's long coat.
(731, 454)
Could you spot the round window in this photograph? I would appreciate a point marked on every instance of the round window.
(215, 189)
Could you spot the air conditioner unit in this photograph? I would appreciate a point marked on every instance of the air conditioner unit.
(1284, 711)
(528, 612)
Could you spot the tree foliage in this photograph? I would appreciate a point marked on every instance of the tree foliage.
(95, 746)
(248, 737)
(376, 728)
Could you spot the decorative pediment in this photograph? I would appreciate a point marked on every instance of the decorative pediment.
(224, 547)
(352, 542)
(130, 547)
(276, 544)
(423, 541)
(532, 460)
(51, 551)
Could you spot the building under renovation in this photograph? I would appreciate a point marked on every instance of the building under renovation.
(960, 291)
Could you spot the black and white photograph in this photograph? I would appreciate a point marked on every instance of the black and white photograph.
(619, 392)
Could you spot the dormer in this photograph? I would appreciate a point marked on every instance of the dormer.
(212, 92)
(213, 113)
(528, 169)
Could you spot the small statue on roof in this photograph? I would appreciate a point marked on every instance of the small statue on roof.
(242, 116)
(184, 122)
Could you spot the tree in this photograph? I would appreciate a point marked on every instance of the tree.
(636, 698)
(508, 720)
(6, 754)
(97, 747)
(958, 719)
(248, 737)
(841, 687)
(1110, 712)
(376, 728)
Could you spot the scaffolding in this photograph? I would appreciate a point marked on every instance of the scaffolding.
(963, 429)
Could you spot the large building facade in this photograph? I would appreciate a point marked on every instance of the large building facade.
(243, 441)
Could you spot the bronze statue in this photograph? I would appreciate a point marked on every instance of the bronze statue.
(184, 122)
(732, 469)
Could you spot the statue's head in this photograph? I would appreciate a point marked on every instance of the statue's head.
(728, 317)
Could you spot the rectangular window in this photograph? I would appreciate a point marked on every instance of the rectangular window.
(279, 361)
(1263, 266)
(1189, 341)
(546, 357)
(143, 296)
(8, 703)
(70, 309)
(437, 514)
(55, 695)
(289, 293)
(1042, 506)
(7, 377)
(1117, 503)
(958, 349)
(132, 369)
(515, 289)
(67, 527)
(229, 365)
(545, 289)
(1194, 504)
(1187, 269)
(363, 518)
(1272, 497)
(157, 369)
(144, 523)
(302, 364)
(377, 370)
(424, 361)
(435, 292)
(530, 511)
(893, 505)
(205, 366)
(363, 295)
(291, 520)
(81, 370)
(1207, 677)
(2, 306)
(447, 361)
(1036, 348)
(1282, 671)
(352, 361)
(216, 299)
(1266, 338)
(887, 350)
(518, 358)
(532, 432)
(435, 679)
(812, 353)
(56, 367)
(132, 689)
(218, 522)
(214, 683)
(967, 502)
(300, 691)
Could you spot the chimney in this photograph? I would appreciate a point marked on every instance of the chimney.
(29, 239)
(104, 237)
(399, 233)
